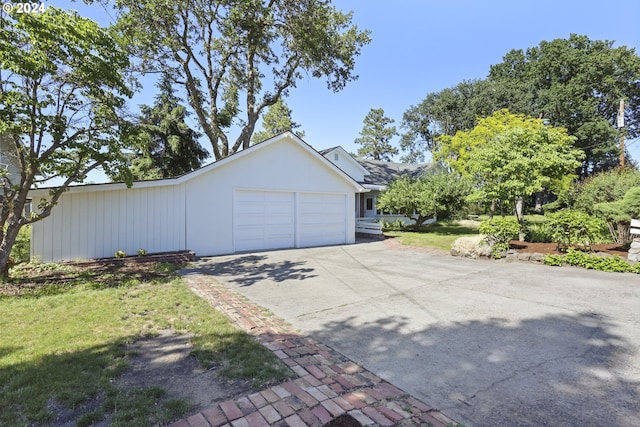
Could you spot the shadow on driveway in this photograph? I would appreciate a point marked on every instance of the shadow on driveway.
(250, 269)
(554, 370)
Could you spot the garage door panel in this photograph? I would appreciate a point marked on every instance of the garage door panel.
(263, 220)
(322, 219)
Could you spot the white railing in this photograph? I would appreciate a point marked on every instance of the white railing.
(368, 226)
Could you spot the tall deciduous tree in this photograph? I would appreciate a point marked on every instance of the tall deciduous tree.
(375, 136)
(167, 146)
(512, 156)
(445, 113)
(61, 88)
(276, 121)
(236, 58)
(575, 83)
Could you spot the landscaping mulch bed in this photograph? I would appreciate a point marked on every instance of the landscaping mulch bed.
(552, 248)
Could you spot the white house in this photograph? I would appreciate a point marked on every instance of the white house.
(375, 175)
(280, 193)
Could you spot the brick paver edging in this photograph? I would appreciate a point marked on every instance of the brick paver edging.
(328, 383)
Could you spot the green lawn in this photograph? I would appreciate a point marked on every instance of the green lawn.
(438, 235)
(62, 342)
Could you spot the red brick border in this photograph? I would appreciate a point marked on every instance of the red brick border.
(328, 383)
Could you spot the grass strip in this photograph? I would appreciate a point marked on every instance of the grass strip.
(438, 235)
(61, 347)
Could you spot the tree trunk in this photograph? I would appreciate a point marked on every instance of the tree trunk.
(519, 208)
(8, 240)
(623, 233)
(492, 209)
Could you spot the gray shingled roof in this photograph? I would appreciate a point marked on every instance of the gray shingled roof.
(382, 173)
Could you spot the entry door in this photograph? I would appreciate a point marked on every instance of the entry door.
(263, 220)
(369, 206)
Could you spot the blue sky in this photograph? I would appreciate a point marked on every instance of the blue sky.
(425, 46)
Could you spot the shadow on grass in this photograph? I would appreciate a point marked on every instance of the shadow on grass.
(57, 389)
(99, 383)
(250, 269)
(555, 369)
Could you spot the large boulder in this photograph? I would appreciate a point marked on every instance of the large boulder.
(471, 247)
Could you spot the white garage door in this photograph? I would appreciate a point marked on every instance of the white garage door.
(263, 220)
(322, 219)
(277, 220)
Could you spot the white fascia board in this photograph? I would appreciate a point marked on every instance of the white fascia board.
(205, 169)
(374, 187)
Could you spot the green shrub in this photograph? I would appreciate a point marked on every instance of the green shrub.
(142, 252)
(537, 232)
(574, 228)
(592, 261)
(120, 254)
(500, 230)
(395, 225)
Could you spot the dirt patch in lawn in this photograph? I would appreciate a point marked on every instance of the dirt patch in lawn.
(165, 361)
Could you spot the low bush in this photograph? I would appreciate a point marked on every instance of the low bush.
(574, 228)
(537, 232)
(592, 261)
(499, 231)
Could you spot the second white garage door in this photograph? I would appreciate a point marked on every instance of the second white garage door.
(321, 219)
(277, 220)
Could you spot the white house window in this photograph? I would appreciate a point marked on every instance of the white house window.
(369, 204)
(336, 156)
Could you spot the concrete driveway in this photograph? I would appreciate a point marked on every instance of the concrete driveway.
(488, 343)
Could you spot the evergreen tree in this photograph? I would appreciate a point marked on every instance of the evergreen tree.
(168, 147)
(276, 121)
(375, 136)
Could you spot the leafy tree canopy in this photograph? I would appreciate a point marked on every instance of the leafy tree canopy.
(235, 59)
(510, 156)
(577, 83)
(610, 186)
(276, 121)
(442, 194)
(375, 136)
(167, 146)
(623, 210)
(62, 86)
(574, 83)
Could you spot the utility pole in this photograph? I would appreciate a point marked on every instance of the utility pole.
(621, 127)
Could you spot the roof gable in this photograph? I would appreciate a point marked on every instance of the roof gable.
(341, 158)
(286, 137)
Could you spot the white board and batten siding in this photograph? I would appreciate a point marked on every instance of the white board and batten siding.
(96, 224)
(277, 194)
